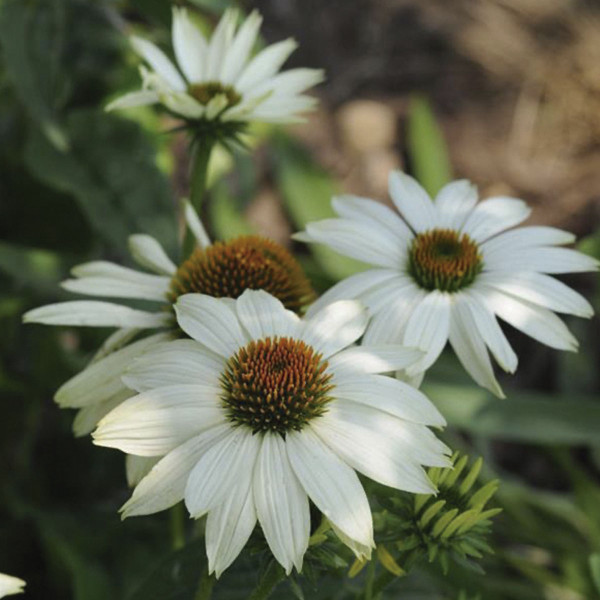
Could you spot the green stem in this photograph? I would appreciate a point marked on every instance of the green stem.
(201, 152)
(370, 579)
(382, 582)
(205, 586)
(177, 518)
(271, 577)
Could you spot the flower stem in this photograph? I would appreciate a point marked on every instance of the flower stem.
(177, 518)
(271, 577)
(205, 586)
(201, 149)
(370, 580)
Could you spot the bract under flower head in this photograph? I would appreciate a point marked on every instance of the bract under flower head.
(262, 410)
(445, 269)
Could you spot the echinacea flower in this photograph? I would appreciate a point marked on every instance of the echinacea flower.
(218, 80)
(10, 585)
(447, 268)
(262, 410)
(220, 269)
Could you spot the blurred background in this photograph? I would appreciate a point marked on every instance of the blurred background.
(503, 92)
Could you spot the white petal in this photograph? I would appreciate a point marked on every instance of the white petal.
(102, 379)
(389, 395)
(526, 237)
(137, 467)
(219, 43)
(265, 316)
(115, 341)
(182, 104)
(90, 313)
(264, 65)
(470, 348)
(336, 326)
(10, 585)
(544, 260)
(361, 438)
(352, 287)
(331, 484)
(157, 421)
(454, 202)
(490, 331)
(211, 322)
(228, 527)
(361, 209)
(493, 215)
(117, 288)
(375, 359)
(412, 201)
(189, 45)
(237, 55)
(195, 224)
(165, 485)
(216, 105)
(157, 59)
(388, 325)
(364, 241)
(361, 551)
(281, 504)
(88, 417)
(147, 252)
(427, 328)
(537, 322)
(179, 361)
(218, 470)
(287, 84)
(133, 99)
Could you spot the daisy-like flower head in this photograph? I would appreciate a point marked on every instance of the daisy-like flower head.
(262, 410)
(447, 268)
(217, 84)
(10, 585)
(220, 269)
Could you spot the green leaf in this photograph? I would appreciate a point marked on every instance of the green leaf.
(523, 416)
(427, 147)
(595, 570)
(110, 170)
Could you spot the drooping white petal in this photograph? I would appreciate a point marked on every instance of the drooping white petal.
(533, 320)
(265, 316)
(494, 215)
(352, 287)
(218, 470)
(178, 361)
(111, 287)
(211, 322)
(264, 65)
(412, 201)
(470, 349)
(148, 253)
(102, 379)
(331, 484)
(115, 341)
(361, 551)
(389, 395)
(182, 104)
(281, 504)
(361, 439)
(189, 45)
(157, 421)
(526, 237)
(216, 105)
(427, 328)
(195, 224)
(454, 202)
(133, 99)
(159, 62)
(388, 325)
(359, 209)
(336, 326)
(88, 417)
(490, 331)
(542, 259)
(137, 467)
(10, 585)
(379, 297)
(165, 485)
(375, 359)
(219, 43)
(91, 313)
(541, 290)
(363, 241)
(238, 53)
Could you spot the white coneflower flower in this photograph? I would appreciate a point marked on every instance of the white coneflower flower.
(218, 79)
(10, 585)
(448, 267)
(221, 269)
(261, 411)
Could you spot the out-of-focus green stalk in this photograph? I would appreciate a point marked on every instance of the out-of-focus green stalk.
(177, 519)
